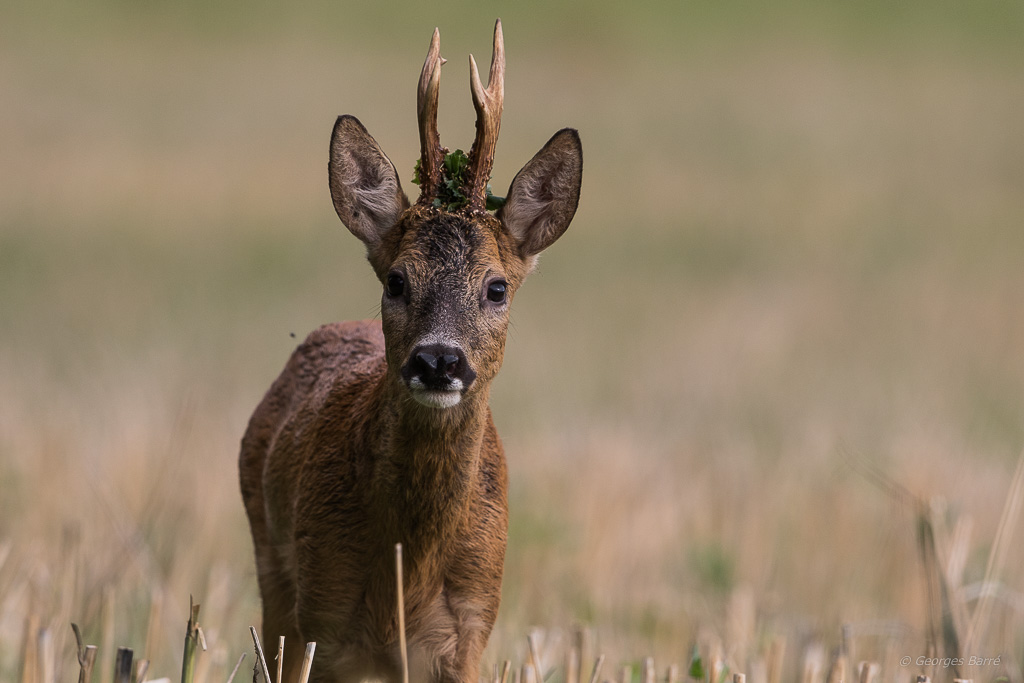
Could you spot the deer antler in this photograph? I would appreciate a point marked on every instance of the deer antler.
(488, 104)
(431, 152)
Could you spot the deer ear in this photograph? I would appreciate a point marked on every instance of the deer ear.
(364, 184)
(543, 196)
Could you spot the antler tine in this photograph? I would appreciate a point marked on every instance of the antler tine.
(488, 104)
(431, 152)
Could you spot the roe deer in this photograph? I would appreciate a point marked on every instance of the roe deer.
(380, 432)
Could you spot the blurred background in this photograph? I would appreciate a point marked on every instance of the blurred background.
(793, 286)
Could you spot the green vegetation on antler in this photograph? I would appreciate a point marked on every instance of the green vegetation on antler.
(450, 192)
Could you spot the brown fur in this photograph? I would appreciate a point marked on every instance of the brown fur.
(341, 461)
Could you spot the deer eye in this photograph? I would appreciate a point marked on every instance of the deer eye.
(496, 292)
(395, 285)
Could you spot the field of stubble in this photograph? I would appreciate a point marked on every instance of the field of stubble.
(795, 281)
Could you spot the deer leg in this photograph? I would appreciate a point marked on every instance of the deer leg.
(278, 596)
(462, 664)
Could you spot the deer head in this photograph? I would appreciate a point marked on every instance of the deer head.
(449, 273)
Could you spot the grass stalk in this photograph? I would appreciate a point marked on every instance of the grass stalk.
(44, 651)
(261, 661)
(941, 625)
(718, 670)
(400, 593)
(307, 663)
(836, 672)
(193, 638)
(86, 656)
(234, 671)
(156, 603)
(596, 673)
(141, 669)
(997, 556)
(584, 646)
(572, 665)
(533, 641)
(29, 652)
(814, 661)
(866, 671)
(107, 648)
(649, 675)
(123, 665)
(280, 658)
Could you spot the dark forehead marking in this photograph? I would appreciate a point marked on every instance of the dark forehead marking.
(449, 240)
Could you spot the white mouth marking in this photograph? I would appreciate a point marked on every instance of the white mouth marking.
(436, 398)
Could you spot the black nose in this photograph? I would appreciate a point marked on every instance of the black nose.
(438, 367)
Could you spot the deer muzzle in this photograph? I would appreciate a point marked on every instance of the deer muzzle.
(437, 375)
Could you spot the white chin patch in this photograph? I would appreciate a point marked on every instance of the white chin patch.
(437, 399)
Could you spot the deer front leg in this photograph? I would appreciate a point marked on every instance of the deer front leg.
(465, 632)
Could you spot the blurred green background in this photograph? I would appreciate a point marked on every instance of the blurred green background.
(799, 255)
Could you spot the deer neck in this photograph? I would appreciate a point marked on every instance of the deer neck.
(428, 468)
